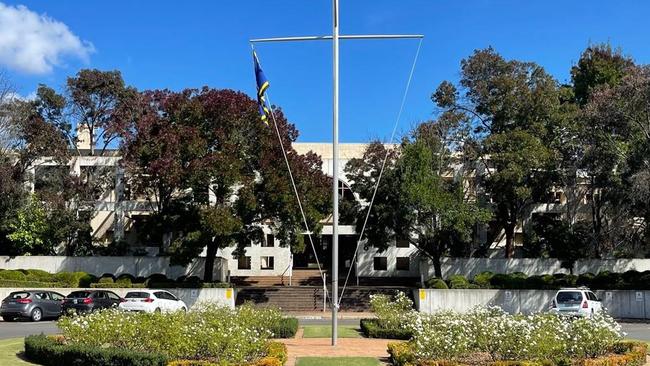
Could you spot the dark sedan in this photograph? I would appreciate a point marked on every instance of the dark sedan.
(31, 304)
(88, 301)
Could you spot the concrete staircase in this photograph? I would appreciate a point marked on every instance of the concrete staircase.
(310, 298)
(300, 277)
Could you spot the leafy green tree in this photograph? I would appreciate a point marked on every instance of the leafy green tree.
(599, 64)
(27, 231)
(510, 104)
(420, 200)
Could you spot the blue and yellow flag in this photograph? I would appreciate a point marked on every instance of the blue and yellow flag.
(262, 85)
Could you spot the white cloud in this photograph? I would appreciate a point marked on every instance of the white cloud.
(34, 43)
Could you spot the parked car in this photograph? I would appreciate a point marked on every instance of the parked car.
(90, 300)
(152, 301)
(576, 302)
(32, 304)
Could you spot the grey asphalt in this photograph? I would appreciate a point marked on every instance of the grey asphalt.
(640, 331)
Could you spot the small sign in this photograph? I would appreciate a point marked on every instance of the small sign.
(194, 293)
(639, 296)
(423, 294)
(608, 296)
(508, 295)
(229, 293)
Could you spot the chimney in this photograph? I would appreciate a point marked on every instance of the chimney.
(83, 137)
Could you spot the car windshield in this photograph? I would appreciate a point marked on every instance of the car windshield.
(569, 297)
(18, 295)
(137, 295)
(79, 294)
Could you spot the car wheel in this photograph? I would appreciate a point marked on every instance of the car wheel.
(184, 309)
(8, 318)
(157, 310)
(37, 315)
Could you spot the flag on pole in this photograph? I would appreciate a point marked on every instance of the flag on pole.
(262, 85)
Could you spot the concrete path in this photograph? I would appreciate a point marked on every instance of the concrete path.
(346, 347)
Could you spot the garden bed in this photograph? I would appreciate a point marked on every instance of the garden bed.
(208, 336)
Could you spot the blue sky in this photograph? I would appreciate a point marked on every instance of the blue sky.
(175, 45)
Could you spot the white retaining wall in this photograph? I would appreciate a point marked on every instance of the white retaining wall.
(619, 303)
(136, 266)
(191, 296)
(469, 267)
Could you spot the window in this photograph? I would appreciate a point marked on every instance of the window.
(244, 262)
(266, 262)
(112, 296)
(380, 264)
(100, 295)
(403, 264)
(160, 295)
(402, 243)
(40, 295)
(270, 241)
(56, 296)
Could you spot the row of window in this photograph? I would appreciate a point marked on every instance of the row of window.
(401, 264)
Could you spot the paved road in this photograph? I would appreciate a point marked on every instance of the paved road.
(639, 331)
(25, 328)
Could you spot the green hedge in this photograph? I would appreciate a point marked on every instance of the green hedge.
(287, 328)
(47, 351)
(371, 329)
(624, 353)
(630, 280)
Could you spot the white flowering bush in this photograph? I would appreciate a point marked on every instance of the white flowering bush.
(392, 312)
(449, 335)
(213, 333)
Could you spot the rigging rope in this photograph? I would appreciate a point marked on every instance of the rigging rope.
(295, 189)
(381, 172)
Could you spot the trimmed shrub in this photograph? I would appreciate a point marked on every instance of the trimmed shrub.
(106, 280)
(38, 275)
(24, 284)
(108, 275)
(585, 279)
(13, 275)
(156, 278)
(564, 280)
(125, 277)
(607, 280)
(436, 282)
(117, 285)
(371, 329)
(47, 351)
(482, 280)
(537, 282)
(285, 328)
(401, 354)
(458, 282)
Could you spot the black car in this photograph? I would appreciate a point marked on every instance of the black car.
(31, 304)
(91, 300)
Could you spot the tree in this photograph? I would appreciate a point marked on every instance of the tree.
(598, 65)
(618, 147)
(211, 169)
(420, 201)
(510, 105)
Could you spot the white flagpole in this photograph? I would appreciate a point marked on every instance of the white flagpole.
(335, 166)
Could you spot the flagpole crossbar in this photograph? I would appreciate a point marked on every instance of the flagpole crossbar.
(329, 38)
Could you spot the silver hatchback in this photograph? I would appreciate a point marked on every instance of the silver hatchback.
(31, 304)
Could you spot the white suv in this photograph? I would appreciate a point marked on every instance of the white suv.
(576, 302)
(151, 301)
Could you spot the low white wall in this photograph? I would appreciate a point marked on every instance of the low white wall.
(191, 296)
(619, 303)
(136, 266)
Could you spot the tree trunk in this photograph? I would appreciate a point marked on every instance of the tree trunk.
(211, 253)
(437, 267)
(510, 239)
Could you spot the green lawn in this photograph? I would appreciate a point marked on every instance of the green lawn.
(9, 350)
(337, 361)
(325, 331)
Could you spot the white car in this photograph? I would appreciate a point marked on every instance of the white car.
(576, 302)
(151, 301)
